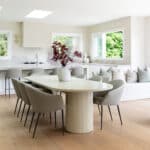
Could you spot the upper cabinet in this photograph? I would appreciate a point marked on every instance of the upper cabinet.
(35, 35)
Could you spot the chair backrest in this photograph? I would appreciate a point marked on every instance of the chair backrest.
(22, 90)
(15, 84)
(37, 71)
(78, 72)
(14, 73)
(113, 97)
(43, 102)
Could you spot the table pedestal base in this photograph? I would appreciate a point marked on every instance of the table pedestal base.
(79, 112)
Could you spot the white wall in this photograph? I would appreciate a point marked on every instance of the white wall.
(137, 42)
(123, 24)
(134, 37)
(147, 41)
(21, 54)
(137, 45)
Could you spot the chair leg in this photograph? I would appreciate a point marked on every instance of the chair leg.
(33, 114)
(101, 117)
(110, 113)
(27, 116)
(119, 114)
(19, 109)
(39, 114)
(9, 87)
(99, 109)
(55, 119)
(22, 112)
(16, 106)
(43, 115)
(5, 85)
(63, 126)
(50, 117)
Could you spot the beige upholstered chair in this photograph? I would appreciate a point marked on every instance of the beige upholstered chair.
(43, 102)
(111, 98)
(78, 72)
(38, 71)
(14, 81)
(25, 99)
(11, 73)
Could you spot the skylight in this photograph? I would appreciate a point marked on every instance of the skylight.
(38, 14)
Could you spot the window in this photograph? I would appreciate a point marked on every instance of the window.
(108, 45)
(4, 44)
(72, 41)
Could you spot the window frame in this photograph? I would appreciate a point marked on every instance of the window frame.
(9, 50)
(105, 32)
(80, 35)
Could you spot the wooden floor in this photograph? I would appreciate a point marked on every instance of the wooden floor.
(133, 135)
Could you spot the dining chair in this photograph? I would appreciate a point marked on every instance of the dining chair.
(11, 73)
(78, 72)
(111, 98)
(25, 99)
(37, 71)
(100, 94)
(43, 102)
(14, 81)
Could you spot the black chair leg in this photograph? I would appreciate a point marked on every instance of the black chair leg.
(63, 126)
(39, 114)
(19, 109)
(55, 119)
(22, 112)
(27, 116)
(101, 117)
(50, 117)
(9, 87)
(5, 85)
(119, 114)
(31, 121)
(99, 109)
(110, 113)
(16, 106)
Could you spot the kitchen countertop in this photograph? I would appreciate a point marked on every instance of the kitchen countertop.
(4, 67)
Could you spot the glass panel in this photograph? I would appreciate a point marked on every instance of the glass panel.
(3, 44)
(67, 40)
(114, 45)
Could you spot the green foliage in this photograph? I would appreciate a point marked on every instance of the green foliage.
(114, 45)
(67, 40)
(3, 44)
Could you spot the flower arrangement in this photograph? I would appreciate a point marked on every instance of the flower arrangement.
(61, 53)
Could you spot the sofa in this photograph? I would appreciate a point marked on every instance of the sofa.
(137, 81)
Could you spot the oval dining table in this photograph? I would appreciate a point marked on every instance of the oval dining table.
(79, 99)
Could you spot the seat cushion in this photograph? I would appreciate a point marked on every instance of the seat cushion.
(98, 100)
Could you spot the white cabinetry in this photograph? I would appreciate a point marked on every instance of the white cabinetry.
(35, 35)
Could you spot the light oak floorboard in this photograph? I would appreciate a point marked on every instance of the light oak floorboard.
(133, 135)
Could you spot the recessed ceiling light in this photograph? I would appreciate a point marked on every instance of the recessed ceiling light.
(38, 14)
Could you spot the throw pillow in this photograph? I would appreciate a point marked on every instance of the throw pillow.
(143, 75)
(131, 76)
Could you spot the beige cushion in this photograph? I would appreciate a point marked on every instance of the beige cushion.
(118, 75)
(131, 76)
(144, 75)
(106, 75)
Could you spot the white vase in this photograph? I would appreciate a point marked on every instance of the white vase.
(64, 74)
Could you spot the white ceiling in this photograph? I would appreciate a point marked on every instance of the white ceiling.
(74, 12)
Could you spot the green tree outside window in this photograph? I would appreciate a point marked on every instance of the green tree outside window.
(3, 44)
(114, 45)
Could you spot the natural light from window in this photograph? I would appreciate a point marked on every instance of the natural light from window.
(108, 45)
(4, 44)
(72, 41)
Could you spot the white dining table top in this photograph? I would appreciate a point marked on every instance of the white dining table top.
(75, 85)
